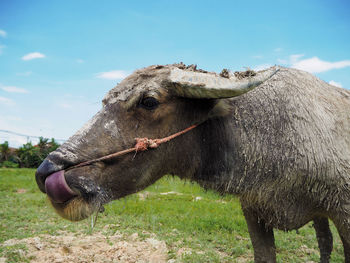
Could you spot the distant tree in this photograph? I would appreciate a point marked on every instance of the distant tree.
(53, 145)
(42, 144)
(4, 151)
(31, 156)
(9, 164)
(28, 155)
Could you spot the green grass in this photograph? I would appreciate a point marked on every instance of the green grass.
(212, 227)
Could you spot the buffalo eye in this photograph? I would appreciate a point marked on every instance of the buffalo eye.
(149, 103)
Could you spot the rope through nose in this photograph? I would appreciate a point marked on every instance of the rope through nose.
(142, 144)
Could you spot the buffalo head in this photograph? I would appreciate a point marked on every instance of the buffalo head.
(153, 102)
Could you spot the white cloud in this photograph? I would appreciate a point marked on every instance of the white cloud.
(316, 65)
(6, 101)
(312, 65)
(3, 33)
(13, 89)
(337, 84)
(33, 55)
(294, 58)
(80, 61)
(262, 67)
(114, 74)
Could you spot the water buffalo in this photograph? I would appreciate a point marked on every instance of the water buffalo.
(283, 148)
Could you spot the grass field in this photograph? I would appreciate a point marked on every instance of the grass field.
(197, 226)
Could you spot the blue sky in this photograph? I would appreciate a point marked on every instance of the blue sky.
(59, 58)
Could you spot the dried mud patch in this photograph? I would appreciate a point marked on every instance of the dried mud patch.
(70, 247)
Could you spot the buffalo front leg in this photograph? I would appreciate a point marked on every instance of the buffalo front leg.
(324, 238)
(262, 238)
(346, 245)
(342, 223)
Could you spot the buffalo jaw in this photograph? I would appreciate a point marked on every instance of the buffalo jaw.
(73, 195)
(74, 210)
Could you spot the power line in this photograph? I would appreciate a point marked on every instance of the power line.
(27, 136)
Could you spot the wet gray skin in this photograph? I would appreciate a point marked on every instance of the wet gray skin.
(279, 139)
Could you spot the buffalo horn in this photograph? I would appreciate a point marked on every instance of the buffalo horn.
(192, 84)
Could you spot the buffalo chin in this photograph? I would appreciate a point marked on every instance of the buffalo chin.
(75, 209)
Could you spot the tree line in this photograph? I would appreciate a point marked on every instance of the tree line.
(28, 155)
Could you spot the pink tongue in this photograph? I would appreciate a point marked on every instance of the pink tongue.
(57, 188)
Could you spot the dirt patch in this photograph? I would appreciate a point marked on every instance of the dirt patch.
(183, 251)
(306, 250)
(68, 247)
(143, 195)
(171, 193)
(21, 191)
(245, 258)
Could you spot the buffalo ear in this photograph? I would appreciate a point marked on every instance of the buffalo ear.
(198, 85)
